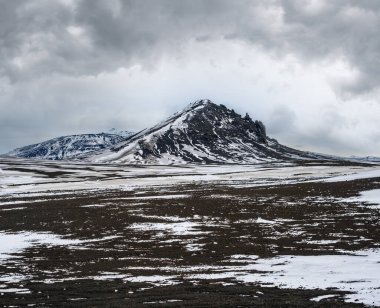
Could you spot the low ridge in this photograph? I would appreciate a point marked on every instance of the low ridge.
(68, 147)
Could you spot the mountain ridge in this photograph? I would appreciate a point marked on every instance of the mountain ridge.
(202, 132)
(67, 147)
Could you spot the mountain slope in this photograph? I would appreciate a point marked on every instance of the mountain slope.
(123, 133)
(203, 133)
(67, 147)
(370, 159)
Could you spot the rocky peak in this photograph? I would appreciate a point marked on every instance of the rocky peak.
(198, 103)
(209, 119)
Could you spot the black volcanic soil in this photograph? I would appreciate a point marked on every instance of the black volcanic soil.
(66, 275)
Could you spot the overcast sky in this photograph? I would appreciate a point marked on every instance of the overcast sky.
(309, 69)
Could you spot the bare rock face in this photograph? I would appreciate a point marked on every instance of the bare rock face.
(262, 135)
(202, 133)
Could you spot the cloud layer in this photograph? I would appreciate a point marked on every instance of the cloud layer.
(77, 65)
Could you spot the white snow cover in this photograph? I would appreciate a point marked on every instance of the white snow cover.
(322, 297)
(176, 228)
(369, 196)
(96, 177)
(265, 221)
(359, 273)
(11, 243)
(355, 175)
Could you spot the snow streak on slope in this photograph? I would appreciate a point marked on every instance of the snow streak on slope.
(203, 133)
(67, 147)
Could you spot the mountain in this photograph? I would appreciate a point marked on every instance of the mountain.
(123, 133)
(370, 159)
(67, 147)
(202, 133)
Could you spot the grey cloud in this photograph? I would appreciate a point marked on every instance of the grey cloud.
(44, 43)
(334, 133)
(281, 119)
(36, 37)
(346, 29)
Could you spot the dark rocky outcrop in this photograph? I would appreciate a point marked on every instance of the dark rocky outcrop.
(203, 133)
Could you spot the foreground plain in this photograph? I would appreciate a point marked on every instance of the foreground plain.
(301, 234)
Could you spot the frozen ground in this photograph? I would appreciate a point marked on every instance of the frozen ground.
(191, 235)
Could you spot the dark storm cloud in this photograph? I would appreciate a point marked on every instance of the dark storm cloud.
(53, 52)
(91, 36)
(346, 29)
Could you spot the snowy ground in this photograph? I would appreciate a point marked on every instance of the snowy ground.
(270, 234)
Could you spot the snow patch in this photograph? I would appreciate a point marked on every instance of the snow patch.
(354, 176)
(370, 196)
(359, 273)
(322, 297)
(177, 228)
(11, 243)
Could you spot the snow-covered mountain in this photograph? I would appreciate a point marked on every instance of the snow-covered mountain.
(373, 159)
(67, 147)
(204, 133)
(123, 133)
